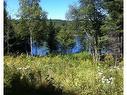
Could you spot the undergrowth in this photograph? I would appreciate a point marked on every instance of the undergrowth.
(73, 74)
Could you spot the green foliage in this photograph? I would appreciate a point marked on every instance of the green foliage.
(52, 41)
(113, 26)
(8, 31)
(98, 23)
(71, 73)
(21, 28)
(90, 18)
(58, 23)
(66, 37)
(9, 34)
(41, 28)
(31, 11)
(109, 59)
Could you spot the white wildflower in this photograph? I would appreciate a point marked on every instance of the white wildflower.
(100, 73)
(115, 67)
(111, 78)
(111, 69)
(118, 68)
(103, 79)
(108, 81)
(26, 67)
(19, 68)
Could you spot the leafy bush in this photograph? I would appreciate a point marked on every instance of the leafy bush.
(109, 60)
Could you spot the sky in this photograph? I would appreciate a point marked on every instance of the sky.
(56, 8)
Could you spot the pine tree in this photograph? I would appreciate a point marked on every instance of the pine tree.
(52, 42)
(9, 34)
(66, 38)
(113, 27)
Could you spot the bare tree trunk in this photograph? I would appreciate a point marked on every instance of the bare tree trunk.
(8, 48)
(36, 46)
(96, 46)
(31, 43)
(26, 48)
(96, 54)
(121, 44)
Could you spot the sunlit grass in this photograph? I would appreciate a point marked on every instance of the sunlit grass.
(75, 72)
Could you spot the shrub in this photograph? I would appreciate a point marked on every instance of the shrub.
(109, 60)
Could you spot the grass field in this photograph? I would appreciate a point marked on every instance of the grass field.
(72, 74)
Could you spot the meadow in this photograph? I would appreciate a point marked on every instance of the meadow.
(71, 74)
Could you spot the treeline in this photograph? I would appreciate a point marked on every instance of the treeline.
(32, 27)
(98, 24)
(101, 23)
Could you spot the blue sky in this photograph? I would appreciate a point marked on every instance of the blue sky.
(56, 8)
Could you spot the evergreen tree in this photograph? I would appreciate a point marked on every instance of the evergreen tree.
(113, 27)
(9, 34)
(52, 42)
(22, 36)
(66, 38)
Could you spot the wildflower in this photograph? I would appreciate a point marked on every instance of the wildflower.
(27, 67)
(118, 68)
(108, 81)
(103, 79)
(23, 68)
(111, 78)
(100, 73)
(111, 69)
(19, 68)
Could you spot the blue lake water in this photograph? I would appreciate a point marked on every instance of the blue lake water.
(41, 51)
(44, 50)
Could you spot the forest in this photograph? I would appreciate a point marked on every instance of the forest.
(82, 55)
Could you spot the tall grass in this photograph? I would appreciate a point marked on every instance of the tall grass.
(73, 74)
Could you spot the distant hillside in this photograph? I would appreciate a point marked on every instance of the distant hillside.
(58, 22)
